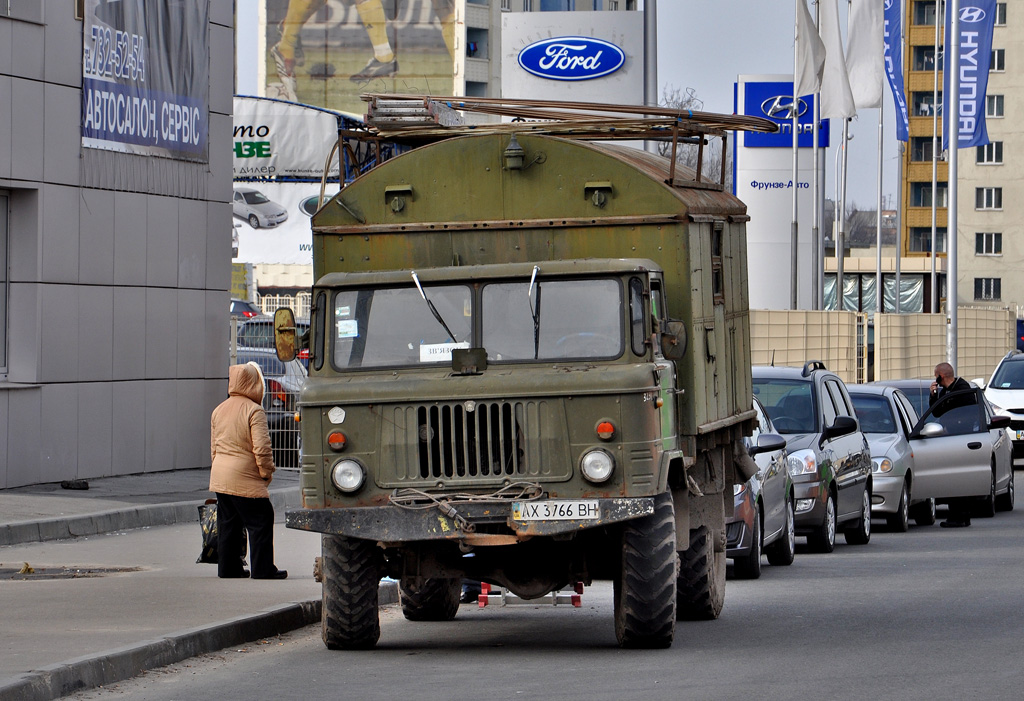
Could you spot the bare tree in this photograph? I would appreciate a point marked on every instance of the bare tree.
(686, 153)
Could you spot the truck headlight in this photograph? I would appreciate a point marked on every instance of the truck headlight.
(348, 475)
(803, 462)
(597, 465)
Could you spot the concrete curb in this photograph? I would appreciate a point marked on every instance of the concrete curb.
(116, 665)
(121, 519)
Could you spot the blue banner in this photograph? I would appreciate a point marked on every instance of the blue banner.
(974, 48)
(775, 101)
(893, 34)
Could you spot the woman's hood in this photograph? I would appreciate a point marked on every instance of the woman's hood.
(247, 381)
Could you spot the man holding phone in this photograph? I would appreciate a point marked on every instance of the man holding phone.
(946, 383)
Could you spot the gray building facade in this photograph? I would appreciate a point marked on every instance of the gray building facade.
(114, 269)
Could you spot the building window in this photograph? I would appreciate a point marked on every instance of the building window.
(613, 5)
(921, 239)
(557, 5)
(921, 195)
(527, 5)
(988, 198)
(924, 12)
(506, 5)
(924, 58)
(988, 244)
(991, 153)
(994, 106)
(1000, 14)
(998, 60)
(4, 280)
(987, 288)
(920, 148)
(924, 101)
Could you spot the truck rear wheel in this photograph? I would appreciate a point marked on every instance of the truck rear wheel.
(645, 589)
(350, 579)
(701, 578)
(436, 600)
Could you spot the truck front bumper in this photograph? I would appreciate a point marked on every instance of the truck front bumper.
(471, 522)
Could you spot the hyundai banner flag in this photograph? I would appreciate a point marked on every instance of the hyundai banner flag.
(893, 34)
(974, 48)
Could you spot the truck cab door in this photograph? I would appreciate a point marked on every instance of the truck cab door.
(666, 369)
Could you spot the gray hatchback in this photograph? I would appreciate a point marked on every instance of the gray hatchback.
(829, 459)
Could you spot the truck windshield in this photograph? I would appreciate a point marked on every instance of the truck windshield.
(577, 319)
(393, 327)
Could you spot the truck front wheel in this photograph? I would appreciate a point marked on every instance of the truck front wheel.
(436, 600)
(645, 588)
(350, 579)
(701, 578)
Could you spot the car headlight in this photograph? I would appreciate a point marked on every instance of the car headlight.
(803, 462)
(881, 465)
(348, 475)
(597, 465)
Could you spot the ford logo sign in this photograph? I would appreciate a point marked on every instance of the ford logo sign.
(571, 58)
(781, 107)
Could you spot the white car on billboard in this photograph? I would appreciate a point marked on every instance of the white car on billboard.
(256, 208)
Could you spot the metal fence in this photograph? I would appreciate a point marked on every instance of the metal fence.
(282, 383)
(300, 303)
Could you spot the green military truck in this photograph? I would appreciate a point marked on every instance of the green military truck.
(529, 365)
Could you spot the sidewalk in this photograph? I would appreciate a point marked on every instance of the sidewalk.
(116, 589)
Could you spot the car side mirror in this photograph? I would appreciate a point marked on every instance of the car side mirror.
(673, 339)
(284, 334)
(842, 426)
(999, 422)
(767, 443)
(930, 430)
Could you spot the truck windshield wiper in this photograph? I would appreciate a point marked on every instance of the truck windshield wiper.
(535, 312)
(433, 309)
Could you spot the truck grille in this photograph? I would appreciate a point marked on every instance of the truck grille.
(494, 441)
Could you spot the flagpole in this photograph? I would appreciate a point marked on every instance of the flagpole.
(953, 101)
(795, 114)
(817, 272)
(935, 166)
(841, 235)
(879, 286)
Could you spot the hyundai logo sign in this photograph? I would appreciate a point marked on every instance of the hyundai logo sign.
(972, 14)
(781, 107)
(571, 58)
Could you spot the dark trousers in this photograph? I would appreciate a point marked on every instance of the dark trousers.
(256, 516)
(960, 509)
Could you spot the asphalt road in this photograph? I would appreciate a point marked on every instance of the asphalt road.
(930, 614)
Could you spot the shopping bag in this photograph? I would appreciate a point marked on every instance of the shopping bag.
(208, 524)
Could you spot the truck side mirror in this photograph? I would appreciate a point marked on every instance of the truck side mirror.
(673, 340)
(284, 334)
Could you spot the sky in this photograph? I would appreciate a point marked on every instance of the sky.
(705, 45)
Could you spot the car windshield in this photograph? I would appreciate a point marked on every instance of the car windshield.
(874, 413)
(561, 319)
(395, 327)
(254, 197)
(1010, 375)
(789, 403)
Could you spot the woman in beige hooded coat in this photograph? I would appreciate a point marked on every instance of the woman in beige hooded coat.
(243, 466)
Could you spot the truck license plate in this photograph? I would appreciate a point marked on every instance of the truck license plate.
(555, 510)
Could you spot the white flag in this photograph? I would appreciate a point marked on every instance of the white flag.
(836, 98)
(810, 53)
(865, 51)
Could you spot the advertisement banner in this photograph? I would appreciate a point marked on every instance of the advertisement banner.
(145, 77)
(272, 221)
(328, 53)
(774, 100)
(974, 47)
(279, 140)
(893, 33)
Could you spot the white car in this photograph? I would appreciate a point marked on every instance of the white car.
(253, 206)
(1006, 393)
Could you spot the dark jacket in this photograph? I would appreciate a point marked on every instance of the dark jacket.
(958, 384)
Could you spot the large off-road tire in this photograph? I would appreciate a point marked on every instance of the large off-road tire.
(749, 566)
(823, 539)
(350, 579)
(899, 522)
(645, 588)
(783, 551)
(436, 600)
(1004, 502)
(923, 512)
(860, 532)
(701, 586)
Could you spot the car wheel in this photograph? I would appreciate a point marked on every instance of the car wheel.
(823, 539)
(899, 521)
(254, 221)
(924, 513)
(749, 567)
(986, 506)
(782, 551)
(1004, 502)
(860, 533)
